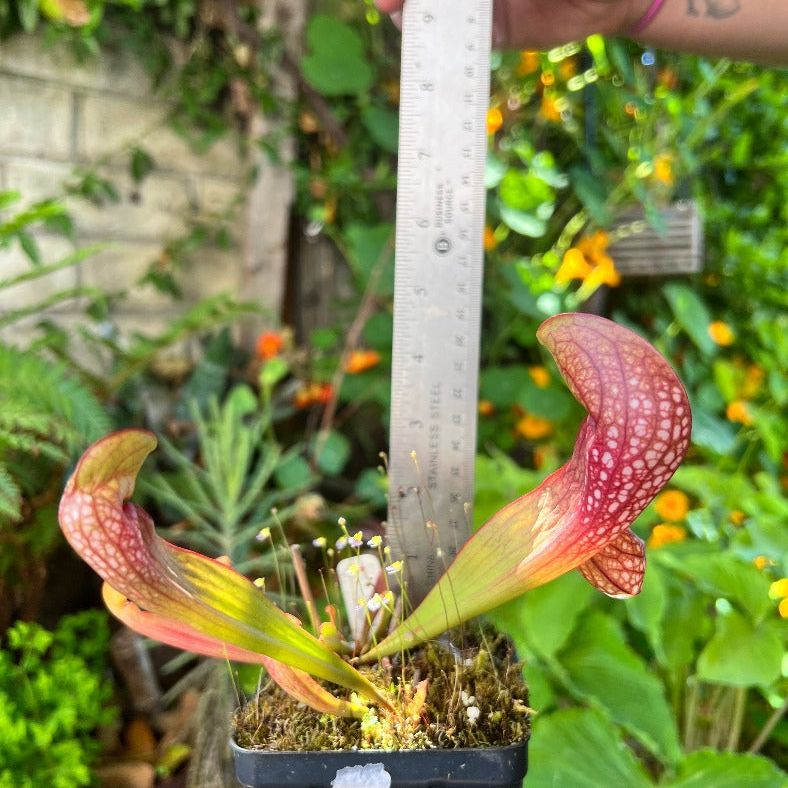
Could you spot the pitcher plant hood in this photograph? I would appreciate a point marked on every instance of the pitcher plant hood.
(634, 437)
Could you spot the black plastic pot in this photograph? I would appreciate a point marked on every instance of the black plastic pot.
(490, 767)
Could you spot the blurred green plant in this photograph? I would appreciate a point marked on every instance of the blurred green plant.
(55, 696)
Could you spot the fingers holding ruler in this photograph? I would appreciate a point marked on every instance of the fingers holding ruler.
(444, 99)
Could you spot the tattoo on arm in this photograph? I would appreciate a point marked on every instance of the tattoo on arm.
(714, 9)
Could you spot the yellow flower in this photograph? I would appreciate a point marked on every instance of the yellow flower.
(779, 589)
(783, 608)
(721, 333)
(490, 241)
(486, 408)
(666, 533)
(573, 266)
(361, 361)
(494, 120)
(737, 517)
(533, 428)
(529, 62)
(737, 412)
(663, 169)
(672, 505)
(761, 562)
(540, 376)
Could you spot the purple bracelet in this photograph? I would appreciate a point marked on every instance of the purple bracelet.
(647, 18)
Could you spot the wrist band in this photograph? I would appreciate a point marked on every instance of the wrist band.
(647, 18)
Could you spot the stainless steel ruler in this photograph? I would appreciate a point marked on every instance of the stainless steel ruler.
(444, 98)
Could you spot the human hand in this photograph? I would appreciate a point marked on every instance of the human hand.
(541, 24)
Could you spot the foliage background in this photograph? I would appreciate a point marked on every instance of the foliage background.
(673, 687)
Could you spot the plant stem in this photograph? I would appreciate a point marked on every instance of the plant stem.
(739, 704)
(767, 729)
(303, 584)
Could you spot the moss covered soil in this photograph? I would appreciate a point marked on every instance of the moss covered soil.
(446, 697)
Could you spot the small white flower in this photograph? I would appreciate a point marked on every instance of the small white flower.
(264, 535)
(473, 713)
(375, 542)
(356, 540)
(342, 522)
(260, 582)
(341, 543)
(319, 542)
(395, 568)
(467, 700)
(375, 603)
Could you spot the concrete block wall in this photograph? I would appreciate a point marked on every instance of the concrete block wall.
(56, 116)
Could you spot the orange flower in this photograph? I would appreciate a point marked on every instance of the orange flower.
(533, 428)
(663, 169)
(540, 376)
(568, 68)
(737, 517)
(549, 109)
(721, 333)
(313, 394)
(494, 120)
(529, 62)
(753, 380)
(672, 505)
(761, 562)
(486, 408)
(361, 360)
(269, 345)
(664, 533)
(490, 241)
(589, 262)
(573, 266)
(737, 412)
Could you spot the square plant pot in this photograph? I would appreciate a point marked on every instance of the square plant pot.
(489, 767)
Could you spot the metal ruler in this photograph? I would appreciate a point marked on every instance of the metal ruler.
(444, 99)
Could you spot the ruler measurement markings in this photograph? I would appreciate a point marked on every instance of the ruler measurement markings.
(440, 215)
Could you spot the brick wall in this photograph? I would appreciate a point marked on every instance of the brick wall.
(57, 115)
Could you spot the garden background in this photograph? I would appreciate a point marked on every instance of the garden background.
(196, 217)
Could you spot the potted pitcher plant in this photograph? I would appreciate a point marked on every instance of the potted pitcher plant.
(396, 701)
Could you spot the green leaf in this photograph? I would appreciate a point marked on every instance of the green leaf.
(333, 452)
(687, 624)
(707, 768)
(712, 433)
(546, 616)
(603, 667)
(274, 370)
(591, 191)
(582, 749)
(691, 314)
(367, 245)
(727, 576)
(494, 171)
(383, 126)
(9, 197)
(372, 486)
(647, 609)
(524, 191)
(141, 164)
(502, 385)
(30, 247)
(741, 654)
(293, 473)
(523, 223)
(337, 64)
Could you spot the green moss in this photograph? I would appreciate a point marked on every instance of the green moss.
(486, 678)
